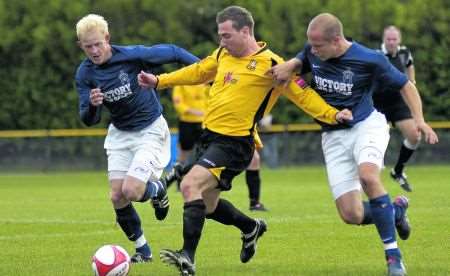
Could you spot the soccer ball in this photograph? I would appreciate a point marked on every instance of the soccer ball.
(111, 260)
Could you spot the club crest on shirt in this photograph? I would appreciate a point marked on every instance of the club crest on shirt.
(347, 76)
(123, 77)
(252, 65)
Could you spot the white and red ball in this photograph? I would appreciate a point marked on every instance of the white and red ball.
(111, 260)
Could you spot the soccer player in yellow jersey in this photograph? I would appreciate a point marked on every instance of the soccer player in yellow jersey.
(240, 95)
(190, 104)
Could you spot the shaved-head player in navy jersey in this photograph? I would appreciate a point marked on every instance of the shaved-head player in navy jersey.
(346, 74)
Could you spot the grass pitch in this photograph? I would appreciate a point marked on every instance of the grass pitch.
(51, 224)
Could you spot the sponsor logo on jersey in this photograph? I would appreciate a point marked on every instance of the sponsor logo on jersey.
(343, 87)
(252, 65)
(229, 78)
(120, 92)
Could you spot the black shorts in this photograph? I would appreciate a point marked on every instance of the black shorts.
(188, 134)
(395, 109)
(229, 155)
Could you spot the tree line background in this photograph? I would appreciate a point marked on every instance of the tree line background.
(39, 54)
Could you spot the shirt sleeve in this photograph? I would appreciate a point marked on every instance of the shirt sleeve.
(388, 75)
(165, 53)
(303, 57)
(89, 114)
(311, 102)
(410, 59)
(201, 72)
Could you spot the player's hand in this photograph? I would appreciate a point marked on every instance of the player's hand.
(282, 73)
(147, 80)
(343, 116)
(96, 97)
(430, 136)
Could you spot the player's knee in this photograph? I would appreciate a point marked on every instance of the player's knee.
(350, 216)
(412, 142)
(130, 192)
(189, 188)
(116, 197)
(369, 180)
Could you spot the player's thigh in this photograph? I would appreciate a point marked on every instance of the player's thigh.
(225, 157)
(372, 138)
(341, 167)
(198, 180)
(151, 152)
(409, 130)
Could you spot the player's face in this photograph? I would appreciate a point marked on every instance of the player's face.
(320, 47)
(233, 40)
(391, 40)
(96, 47)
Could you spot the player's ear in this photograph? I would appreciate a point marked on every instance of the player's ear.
(107, 38)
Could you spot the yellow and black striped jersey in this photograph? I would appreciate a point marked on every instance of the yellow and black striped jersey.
(187, 97)
(242, 93)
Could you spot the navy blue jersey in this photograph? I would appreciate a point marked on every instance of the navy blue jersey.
(350, 80)
(131, 106)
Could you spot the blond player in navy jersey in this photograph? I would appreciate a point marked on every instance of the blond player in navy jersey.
(138, 139)
(241, 94)
(346, 74)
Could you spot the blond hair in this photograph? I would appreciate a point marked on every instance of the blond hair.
(91, 22)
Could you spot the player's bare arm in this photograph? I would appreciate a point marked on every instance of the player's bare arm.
(147, 80)
(96, 97)
(412, 98)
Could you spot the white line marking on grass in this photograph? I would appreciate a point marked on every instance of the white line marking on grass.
(55, 221)
(55, 235)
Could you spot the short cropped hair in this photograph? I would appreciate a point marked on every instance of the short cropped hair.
(239, 16)
(392, 28)
(91, 22)
(329, 24)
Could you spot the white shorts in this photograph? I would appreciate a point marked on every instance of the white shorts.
(344, 150)
(142, 154)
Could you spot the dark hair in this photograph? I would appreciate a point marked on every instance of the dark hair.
(239, 16)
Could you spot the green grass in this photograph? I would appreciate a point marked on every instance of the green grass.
(50, 224)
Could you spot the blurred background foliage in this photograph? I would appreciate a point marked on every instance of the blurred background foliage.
(39, 54)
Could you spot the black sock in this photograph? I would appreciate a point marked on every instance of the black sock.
(193, 220)
(403, 157)
(367, 219)
(129, 221)
(254, 185)
(227, 214)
